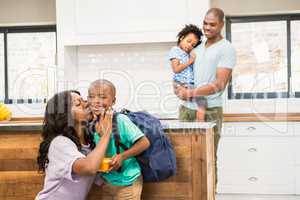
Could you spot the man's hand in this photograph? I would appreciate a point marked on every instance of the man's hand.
(116, 162)
(104, 126)
(182, 92)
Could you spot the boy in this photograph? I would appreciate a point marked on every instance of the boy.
(124, 179)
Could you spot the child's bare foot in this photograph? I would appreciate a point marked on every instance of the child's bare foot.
(200, 116)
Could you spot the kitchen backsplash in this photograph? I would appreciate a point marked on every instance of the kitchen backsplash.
(140, 72)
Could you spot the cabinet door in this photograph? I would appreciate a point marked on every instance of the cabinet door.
(297, 128)
(258, 129)
(256, 182)
(258, 158)
(297, 171)
(256, 153)
(127, 21)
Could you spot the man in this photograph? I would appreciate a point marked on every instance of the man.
(215, 59)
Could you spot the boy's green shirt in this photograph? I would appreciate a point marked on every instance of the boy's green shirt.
(129, 134)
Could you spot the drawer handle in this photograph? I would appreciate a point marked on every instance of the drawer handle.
(252, 150)
(251, 128)
(253, 179)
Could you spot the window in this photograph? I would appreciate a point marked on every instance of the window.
(295, 56)
(28, 66)
(267, 49)
(2, 85)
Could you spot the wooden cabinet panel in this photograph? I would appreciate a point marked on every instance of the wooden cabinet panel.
(194, 179)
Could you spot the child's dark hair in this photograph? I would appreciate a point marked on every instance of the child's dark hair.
(190, 28)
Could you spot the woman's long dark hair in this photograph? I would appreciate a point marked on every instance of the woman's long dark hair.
(58, 120)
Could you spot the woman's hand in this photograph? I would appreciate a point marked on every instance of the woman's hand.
(104, 125)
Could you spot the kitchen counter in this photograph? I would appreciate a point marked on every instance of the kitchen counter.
(192, 142)
(259, 117)
(176, 124)
(37, 125)
(27, 126)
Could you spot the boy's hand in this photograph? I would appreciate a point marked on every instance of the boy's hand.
(192, 58)
(104, 126)
(116, 162)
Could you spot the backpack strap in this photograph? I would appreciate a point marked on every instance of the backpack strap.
(125, 111)
(92, 125)
(116, 134)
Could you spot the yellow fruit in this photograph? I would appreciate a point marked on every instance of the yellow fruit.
(5, 113)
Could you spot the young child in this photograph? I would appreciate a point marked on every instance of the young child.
(182, 59)
(123, 180)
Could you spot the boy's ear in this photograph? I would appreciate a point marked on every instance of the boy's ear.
(114, 100)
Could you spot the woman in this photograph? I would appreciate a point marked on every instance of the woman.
(67, 153)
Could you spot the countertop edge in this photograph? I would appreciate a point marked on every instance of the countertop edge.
(166, 124)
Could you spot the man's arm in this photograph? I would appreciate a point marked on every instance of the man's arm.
(223, 75)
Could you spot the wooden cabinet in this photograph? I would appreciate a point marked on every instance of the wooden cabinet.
(194, 154)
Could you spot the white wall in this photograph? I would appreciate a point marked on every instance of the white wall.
(27, 12)
(129, 43)
(43, 11)
(36, 11)
(245, 7)
(140, 72)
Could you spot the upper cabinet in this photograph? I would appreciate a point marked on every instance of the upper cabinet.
(125, 21)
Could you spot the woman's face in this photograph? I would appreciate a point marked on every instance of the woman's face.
(80, 109)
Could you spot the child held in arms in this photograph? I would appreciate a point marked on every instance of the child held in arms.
(182, 58)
